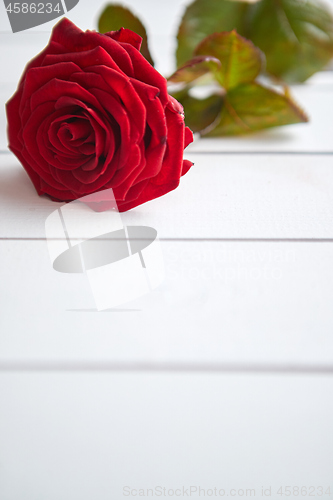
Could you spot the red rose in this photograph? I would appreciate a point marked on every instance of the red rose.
(91, 113)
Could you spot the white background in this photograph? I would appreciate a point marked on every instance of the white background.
(221, 377)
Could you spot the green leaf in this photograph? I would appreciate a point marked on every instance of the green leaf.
(296, 36)
(204, 17)
(116, 16)
(241, 61)
(194, 69)
(199, 113)
(252, 107)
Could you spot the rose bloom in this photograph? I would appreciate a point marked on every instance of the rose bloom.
(91, 113)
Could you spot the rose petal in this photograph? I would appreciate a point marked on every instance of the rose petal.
(103, 133)
(14, 122)
(75, 40)
(29, 135)
(188, 137)
(156, 121)
(175, 106)
(126, 134)
(144, 72)
(173, 158)
(129, 97)
(127, 36)
(84, 59)
(56, 133)
(56, 89)
(129, 172)
(186, 166)
(145, 191)
(37, 77)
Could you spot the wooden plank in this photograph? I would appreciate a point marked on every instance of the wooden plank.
(309, 137)
(221, 304)
(89, 436)
(222, 196)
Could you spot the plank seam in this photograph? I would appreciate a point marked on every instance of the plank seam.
(165, 367)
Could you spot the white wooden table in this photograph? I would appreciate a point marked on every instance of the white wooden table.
(221, 377)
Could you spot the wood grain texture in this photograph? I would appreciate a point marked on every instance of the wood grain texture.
(221, 303)
(222, 196)
(92, 402)
(88, 436)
